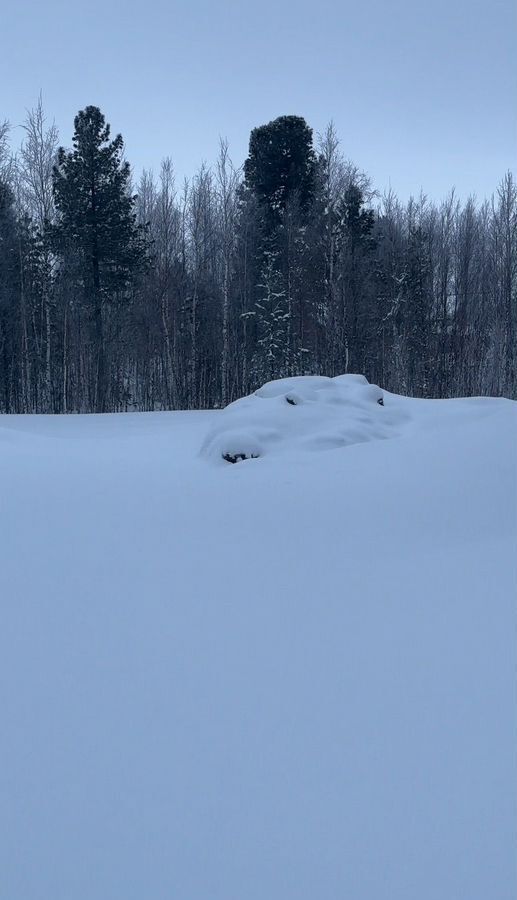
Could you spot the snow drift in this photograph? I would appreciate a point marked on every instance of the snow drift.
(302, 413)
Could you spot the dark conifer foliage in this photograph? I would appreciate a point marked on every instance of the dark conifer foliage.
(189, 296)
(281, 165)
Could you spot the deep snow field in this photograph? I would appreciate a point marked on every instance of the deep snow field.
(293, 678)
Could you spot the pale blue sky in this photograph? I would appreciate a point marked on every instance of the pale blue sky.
(422, 95)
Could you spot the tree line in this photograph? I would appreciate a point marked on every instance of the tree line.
(157, 295)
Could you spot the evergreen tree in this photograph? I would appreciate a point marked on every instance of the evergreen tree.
(281, 163)
(279, 187)
(358, 221)
(96, 219)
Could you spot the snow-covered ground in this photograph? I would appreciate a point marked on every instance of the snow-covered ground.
(288, 679)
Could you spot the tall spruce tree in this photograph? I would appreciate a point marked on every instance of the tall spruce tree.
(97, 224)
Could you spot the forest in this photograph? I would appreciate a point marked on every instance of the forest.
(125, 291)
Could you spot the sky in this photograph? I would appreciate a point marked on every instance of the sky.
(423, 95)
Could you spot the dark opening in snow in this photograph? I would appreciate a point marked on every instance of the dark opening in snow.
(237, 457)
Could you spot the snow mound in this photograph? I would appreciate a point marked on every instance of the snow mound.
(307, 413)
